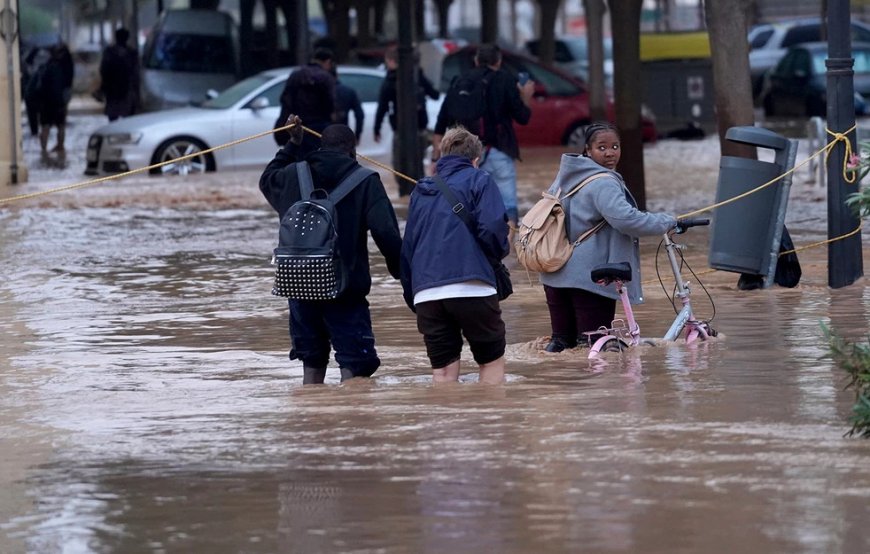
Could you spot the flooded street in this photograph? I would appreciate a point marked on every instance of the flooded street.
(148, 404)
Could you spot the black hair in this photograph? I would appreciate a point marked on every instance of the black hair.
(338, 138)
(593, 129)
(322, 55)
(122, 35)
(488, 54)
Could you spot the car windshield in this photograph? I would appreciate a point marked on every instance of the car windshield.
(193, 53)
(861, 57)
(236, 92)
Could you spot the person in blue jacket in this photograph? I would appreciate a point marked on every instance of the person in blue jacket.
(446, 276)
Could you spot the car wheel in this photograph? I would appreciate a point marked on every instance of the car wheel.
(179, 147)
(576, 137)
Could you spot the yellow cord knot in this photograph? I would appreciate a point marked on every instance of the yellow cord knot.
(848, 176)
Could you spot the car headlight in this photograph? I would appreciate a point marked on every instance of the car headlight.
(123, 138)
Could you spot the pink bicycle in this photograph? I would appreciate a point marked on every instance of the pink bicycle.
(625, 333)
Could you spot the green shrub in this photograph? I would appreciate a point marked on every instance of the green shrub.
(854, 359)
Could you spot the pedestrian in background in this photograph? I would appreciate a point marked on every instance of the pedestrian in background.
(344, 322)
(34, 66)
(388, 104)
(310, 94)
(347, 101)
(447, 276)
(55, 85)
(119, 77)
(506, 102)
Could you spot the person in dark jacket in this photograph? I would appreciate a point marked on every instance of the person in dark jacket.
(347, 101)
(388, 104)
(310, 94)
(446, 274)
(54, 86)
(344, 322)
(506, 102)
(119, 77)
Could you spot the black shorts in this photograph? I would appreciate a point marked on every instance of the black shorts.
(444, 322)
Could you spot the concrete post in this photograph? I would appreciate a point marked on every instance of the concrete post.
(12, 167)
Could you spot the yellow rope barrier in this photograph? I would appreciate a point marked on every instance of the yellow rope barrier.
(837, 137)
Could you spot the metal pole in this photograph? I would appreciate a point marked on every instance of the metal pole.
(406, 109)
(9, 22)
(845, 263)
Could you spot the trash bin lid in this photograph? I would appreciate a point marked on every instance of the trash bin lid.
(757, 136)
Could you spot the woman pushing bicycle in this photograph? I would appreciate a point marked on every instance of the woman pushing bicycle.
(576, 303)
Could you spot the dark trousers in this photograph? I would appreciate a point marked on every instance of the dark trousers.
(574, 311)
(344, 323)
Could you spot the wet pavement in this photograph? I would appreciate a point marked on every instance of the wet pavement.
(148, 404)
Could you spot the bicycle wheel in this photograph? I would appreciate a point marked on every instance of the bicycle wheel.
(614, 345)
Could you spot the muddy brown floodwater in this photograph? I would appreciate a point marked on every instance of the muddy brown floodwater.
(147, 403)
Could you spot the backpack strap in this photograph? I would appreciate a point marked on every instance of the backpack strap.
(303, 174)
(350, 182)
(583, 183)
(567, 211)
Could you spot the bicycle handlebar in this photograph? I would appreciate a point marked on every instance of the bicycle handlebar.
(684, 224)
(693, 222)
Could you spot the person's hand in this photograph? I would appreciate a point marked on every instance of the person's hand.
(295, 131)
(527, 90)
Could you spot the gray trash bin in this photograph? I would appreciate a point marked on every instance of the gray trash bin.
(745, 234)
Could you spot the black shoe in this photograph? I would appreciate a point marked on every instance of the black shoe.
(346, 374)
(585, 341)
(558, 345)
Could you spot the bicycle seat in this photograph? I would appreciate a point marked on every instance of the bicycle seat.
(611, 272)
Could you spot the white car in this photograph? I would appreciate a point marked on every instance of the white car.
(247, 108)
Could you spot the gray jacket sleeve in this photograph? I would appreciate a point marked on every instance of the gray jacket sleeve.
(610, 201)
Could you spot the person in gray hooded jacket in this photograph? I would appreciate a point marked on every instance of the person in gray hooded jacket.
(575, 302)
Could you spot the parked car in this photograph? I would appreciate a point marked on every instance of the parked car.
(769, 42)
(797, 86)
(247, 108)
(572, 56)
(187, 54)
(560, 106)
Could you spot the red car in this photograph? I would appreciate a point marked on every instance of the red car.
(560, 108)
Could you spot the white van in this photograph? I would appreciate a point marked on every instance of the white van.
(188, 52)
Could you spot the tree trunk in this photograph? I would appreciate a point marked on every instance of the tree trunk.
(364, 23)
(732, 88)
(627, 87)
(443, 13)
(546, 33)
(595, 10)
(335, 12)
(489, 21)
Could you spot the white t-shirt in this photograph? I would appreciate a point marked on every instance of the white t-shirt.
(465, 289)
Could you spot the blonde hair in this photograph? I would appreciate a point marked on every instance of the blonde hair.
(461, 142)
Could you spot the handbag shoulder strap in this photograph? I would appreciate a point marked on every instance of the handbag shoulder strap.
(458, 207)
(461, 212)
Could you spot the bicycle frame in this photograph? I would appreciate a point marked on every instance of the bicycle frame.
(628, 334)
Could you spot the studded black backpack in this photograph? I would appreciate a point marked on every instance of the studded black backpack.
(308, 265)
